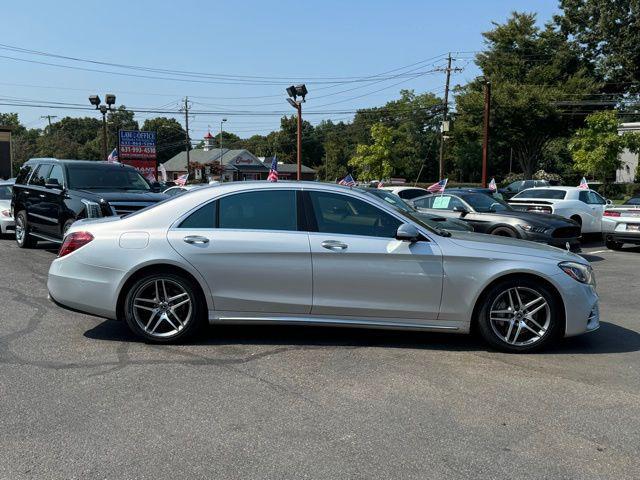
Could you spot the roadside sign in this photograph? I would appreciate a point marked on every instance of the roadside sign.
(138, 149)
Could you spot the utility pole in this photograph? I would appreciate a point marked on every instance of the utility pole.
(445, 116)
(186, 135)
(299, 157)
(485, 141)
(49, 117)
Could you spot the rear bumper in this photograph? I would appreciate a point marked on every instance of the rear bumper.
(625, 237)
(86, 288)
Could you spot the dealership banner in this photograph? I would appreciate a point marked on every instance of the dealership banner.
(138, 149)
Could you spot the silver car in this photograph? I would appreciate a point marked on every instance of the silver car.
(318, 254)
(7, 225)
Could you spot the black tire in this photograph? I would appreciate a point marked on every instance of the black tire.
(613, 245)
(578, 220)
(173, 283)
(504, 232)
(525, 286)
(23, 239)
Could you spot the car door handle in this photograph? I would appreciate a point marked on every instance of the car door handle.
(195, 240)
(334, 245)
(42, 195)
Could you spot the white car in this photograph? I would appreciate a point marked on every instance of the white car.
(7, 224)
(621, 224)
(407, 193)
(177, 190)
(584, 206)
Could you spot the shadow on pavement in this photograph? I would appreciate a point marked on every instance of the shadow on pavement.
(591, 258)
(609, 338)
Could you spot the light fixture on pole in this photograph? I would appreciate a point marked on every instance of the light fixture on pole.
(110, 100)
(295, 91)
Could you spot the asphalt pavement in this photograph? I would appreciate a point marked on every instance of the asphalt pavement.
(80, 397)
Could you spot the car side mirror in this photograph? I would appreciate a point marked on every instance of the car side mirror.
(408, 233)
(53, 183)
(461, 210)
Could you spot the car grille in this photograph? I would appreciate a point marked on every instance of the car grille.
(124, 208)
(566, 232)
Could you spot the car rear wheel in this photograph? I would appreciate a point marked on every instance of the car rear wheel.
(23, 239)
(164, 308)
(519, 315)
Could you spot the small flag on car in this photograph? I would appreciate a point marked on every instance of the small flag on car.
(380, 185)
(347, 181)
(113, 156)
(438, 187)
(181, 181)
(583, 184)
(492, 185)
(273, 171)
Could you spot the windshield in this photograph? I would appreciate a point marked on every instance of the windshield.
(631, 201)
(106, 177)
(484, 203)
(547, 193)
(5, 192)
(390, 198)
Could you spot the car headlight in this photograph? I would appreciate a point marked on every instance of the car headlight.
(92, 208)
(579, 272)
(5, 213)
(531, 228)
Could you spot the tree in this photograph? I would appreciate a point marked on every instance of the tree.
(607, 31)
(596, 148)
(373, 162)
(170, 136)
(533, 72)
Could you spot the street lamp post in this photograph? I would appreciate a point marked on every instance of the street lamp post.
(221, 122)
(294, 92)
(110, 100)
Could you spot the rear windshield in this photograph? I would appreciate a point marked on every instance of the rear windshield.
(633, 201)
(5, 192)
(105, 177)
(547, 193)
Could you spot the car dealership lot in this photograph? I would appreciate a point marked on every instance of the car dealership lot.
(82, 398)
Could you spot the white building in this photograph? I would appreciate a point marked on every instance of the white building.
(627, 172)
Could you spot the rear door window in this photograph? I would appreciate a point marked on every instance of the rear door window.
(262, 210)
(39, 176)
(23, 175)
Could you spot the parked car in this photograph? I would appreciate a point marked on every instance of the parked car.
(316, 254)
(177, 190)
(491, 215)
(407, 193)
(435, 221)
(621, 224)
(584, 206)
(50, 194)
(516, 187)
(7, 225)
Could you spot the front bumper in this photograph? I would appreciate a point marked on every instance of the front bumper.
(7, 225)
(581, 304)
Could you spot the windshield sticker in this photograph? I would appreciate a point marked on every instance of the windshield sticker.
(441, 202)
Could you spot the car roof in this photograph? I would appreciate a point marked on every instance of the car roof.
(402, 187)
(10, 181)
(552, 187)
(67, 161)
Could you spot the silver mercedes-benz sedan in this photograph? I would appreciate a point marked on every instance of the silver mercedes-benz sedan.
(317, 254)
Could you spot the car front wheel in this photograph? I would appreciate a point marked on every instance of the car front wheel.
(164, 308)
(519, 315)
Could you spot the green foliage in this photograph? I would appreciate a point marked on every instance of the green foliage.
(596, 148)
(170, 136)
(373, 162)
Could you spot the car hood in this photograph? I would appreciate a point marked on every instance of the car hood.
(494, 243)
(125, 195)
(5, 204)
(542, 219)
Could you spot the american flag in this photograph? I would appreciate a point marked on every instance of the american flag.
(438, 187)
(492, 185)
(113, 156)
(583, 184)
(273, 171)
(380, 185)
(347, 181)
(181, 181)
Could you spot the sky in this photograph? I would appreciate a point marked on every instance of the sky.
(335, 47)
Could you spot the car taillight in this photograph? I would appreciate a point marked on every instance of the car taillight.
(611, 214)
(538, 209)
(73, 242)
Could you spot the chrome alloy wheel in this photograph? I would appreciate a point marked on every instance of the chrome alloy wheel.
(20, 230)
(520, 316)
(162, 307)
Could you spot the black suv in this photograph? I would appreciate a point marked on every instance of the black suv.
(50, 194)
